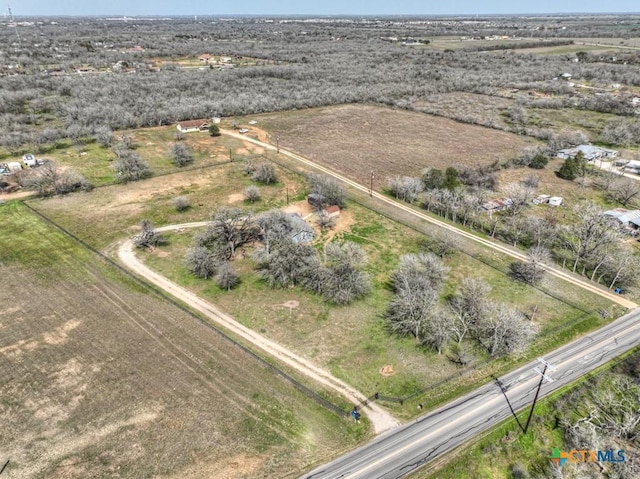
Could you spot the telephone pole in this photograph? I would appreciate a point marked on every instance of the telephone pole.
(543, 376)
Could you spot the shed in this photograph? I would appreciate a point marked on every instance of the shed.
(627, 218)
(333, 211)
(555, 201)
(14, 166)
(541, 199)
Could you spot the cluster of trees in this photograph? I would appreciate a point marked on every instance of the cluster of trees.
(307, 68)
(51, 179)
(281, 260)
(590, 245)
(416, 310)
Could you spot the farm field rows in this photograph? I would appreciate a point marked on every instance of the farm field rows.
(101, 378)
(356, 140)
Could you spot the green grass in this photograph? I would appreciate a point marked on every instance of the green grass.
(135, 353)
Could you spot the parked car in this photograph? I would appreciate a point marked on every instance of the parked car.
(244, 130)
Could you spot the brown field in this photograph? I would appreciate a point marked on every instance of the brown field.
(358, 139)
(100, 378)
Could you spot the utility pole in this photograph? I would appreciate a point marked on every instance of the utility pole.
(230, 157)
(371, 185)
(543, 376)
(277, 144)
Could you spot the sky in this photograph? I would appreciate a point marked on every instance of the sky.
(313, 7)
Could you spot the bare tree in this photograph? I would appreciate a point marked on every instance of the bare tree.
(624, 190)
(265, 173)
(181, 203)
(288, 263)
(325, 221)
(590, 233)
(180, 154)
(50, 179)
(226, 276)
(229, 227)
(343, 280)
(329, 188)
(443, 242)
(412, 307)
(148, 236)
(130, 166)
(469, 306)
(521, 196)
(200, 262)
(531, 271)
(406, 188)
(504, 330)
(251, 194)
(104, 136)
(419, 267)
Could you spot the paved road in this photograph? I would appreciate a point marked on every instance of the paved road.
(501, 247)
(379, 417)
(400, 452)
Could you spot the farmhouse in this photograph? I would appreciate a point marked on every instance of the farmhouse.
(206, 58)
(193, 125)
(627, 218)
(589, 153)
(301, 231)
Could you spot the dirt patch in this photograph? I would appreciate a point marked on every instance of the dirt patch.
(302, 208)
(162, 254)
(234, 467)
(366, 138)
(386, 370)
(235, 198)
(291, 304)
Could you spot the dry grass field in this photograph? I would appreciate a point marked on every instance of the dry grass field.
(358, 139)
(100, 378)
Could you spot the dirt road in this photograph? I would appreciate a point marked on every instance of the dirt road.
(567, 276)
(381, 419)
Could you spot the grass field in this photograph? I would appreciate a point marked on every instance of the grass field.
(100, 378)
(351, 341)
(359, 139)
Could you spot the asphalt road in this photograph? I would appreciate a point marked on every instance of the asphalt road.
(401, 451)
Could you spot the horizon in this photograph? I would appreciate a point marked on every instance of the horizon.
(320, 8)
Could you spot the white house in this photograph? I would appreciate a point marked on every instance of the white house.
(589, 153)
(193, 125)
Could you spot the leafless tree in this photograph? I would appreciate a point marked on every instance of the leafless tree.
(343, 280)
(531, 181)
(181, 203)
(130, 166)
(148, 236)
(590, 233)
(264, 173)
(50, 179)
(104, 136)
(180, 154)
(329, 188)
(251, 194)
(226, 276)
(531, 271)
(229, 227)
(443, 242)
(521, 196)
(288, 264)
(200, 262)
(406, 188)
(469, 306)
(504, 330)
(624, 190)
(325, 221)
